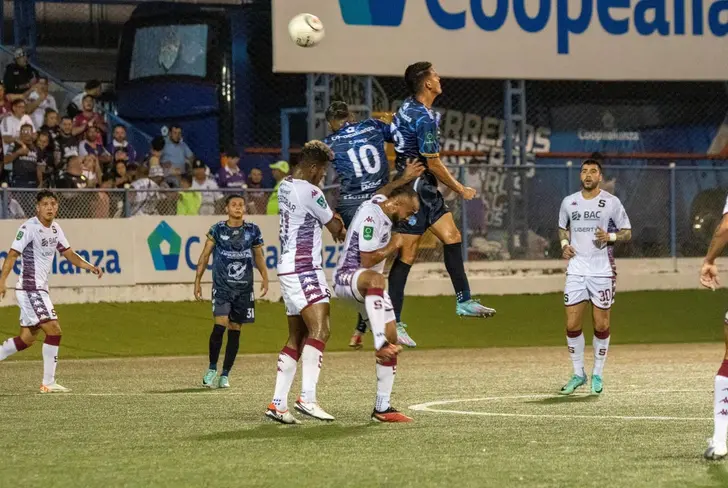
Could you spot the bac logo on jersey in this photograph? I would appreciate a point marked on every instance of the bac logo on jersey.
(372, 12)
(321, 201)
(592, 215)
(168, 261)
(19, 236)
(575, 216)
(368, 233)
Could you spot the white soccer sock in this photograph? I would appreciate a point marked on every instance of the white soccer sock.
(312, 358)
(287, 365)
(385, 381)
(374, 304)
(50, 359)
(576, 351)
(601, 347)
(9, 347)
(720, 407)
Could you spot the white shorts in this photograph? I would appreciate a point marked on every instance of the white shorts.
(300, 290)
(599, 289)
(345, 287)
(35, 307)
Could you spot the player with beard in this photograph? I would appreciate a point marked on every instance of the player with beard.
(590, 222)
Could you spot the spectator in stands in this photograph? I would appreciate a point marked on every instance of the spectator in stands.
(91, 146)
(119, 141)
(280, 170)
(91, 88)
(91, 170)
(38, 101)
(154, 158)
(19, 76)
(230, 175)
(46, 160)
(144, 195)
(176, 155)
(121, 175)
(207, 186)
(67, 142)
(10, 126)
(88, 118)
(5, 105)
(24, 157)
(189, 201)
(255, 197)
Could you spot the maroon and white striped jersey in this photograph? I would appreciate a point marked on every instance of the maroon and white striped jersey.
(303, 211)
(37, 245)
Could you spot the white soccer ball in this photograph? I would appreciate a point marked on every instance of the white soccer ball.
(306, 30)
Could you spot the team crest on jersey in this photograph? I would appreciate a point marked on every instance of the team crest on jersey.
(321, 201)
(575, 216)
(368, 232)
(19, 236)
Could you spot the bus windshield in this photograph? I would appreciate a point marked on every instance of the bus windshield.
(163, 50)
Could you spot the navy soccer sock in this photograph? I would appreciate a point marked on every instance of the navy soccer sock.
(233, 344)
(397, 281)
(456, 269)
(216, 344)
(361, 326)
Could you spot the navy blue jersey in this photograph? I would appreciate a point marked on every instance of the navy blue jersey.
(233, 262)
(416, 133)
(360, 159)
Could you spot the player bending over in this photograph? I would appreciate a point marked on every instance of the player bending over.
(592, 273)
(238, 246)
(359, 277)
(360, 161)
(415, 129)
(303, 211)
(36, 244)
(709, 278)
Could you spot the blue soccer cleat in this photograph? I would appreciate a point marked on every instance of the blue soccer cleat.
(403, 337)
(473, 308)
(597, 385)
(575, 382)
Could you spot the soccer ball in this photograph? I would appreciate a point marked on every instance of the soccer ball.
(306, 30)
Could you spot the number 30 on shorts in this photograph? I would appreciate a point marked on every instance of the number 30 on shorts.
(605, 296)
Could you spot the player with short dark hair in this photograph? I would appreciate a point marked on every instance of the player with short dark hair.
(416, 132)
(717, 448)
(36, 243)
(237, 246)
(360, 161)
(592, 272)
(303, 211)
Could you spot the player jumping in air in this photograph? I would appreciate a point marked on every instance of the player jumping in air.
(415, 134)
(709, 278)
(36, 244)
(360, 161)
(238, 246)
(359, 277)
(590, 222)
(303, 211)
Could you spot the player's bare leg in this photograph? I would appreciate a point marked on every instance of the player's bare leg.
(231, 352)
(717, 448)
(24, 340)
(217, 336)
(51, 345)
(398, 280)
(286, 370)
(447, 232)
(316, 318)
(600, 318)
(575, 343)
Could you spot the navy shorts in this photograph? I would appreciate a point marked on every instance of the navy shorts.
(239, 307)
(432, 206)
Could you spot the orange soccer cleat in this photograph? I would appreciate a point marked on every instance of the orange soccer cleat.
(391, 416)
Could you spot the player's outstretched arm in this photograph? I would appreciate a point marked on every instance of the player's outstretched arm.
(413, 169)
(202, 266)
(709, 271)
(79, 262)
(262, 269)
(8, 264)
(437, 168)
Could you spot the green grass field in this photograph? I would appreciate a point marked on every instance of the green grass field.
(483, 417)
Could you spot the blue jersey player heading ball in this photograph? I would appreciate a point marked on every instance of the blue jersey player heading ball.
(416, 135)
(360, 161)
(237, 246)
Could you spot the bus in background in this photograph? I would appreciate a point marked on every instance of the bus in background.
(208, 70)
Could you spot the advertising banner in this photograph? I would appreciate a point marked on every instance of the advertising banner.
(546, 39)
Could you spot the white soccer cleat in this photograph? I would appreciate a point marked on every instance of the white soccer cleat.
(715, 453)
(283, 417)
(53, 388)
(312, 410)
